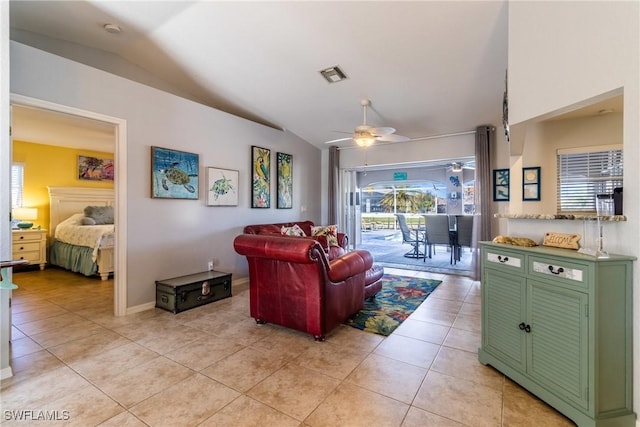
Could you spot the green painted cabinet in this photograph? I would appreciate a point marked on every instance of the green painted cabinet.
(559, 323)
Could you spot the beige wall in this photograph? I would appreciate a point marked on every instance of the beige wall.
(542, 141)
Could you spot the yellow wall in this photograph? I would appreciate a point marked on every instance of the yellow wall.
(47, 165)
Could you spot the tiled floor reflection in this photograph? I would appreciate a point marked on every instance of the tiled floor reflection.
(213, 366)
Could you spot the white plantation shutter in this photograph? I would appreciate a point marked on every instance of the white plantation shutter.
(17, 184)
(583, 175)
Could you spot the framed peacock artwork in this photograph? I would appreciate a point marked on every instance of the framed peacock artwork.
(260, 177)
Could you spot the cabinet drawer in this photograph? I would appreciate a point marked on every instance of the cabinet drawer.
(31, 256)
(26, 247)
(23, 237)
(509, 260)
(561, 270)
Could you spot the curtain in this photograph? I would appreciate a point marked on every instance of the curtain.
(485, 138)
(334, 184)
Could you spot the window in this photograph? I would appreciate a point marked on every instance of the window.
(17, 184)
(585, 173)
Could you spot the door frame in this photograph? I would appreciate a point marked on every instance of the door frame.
(120, 187)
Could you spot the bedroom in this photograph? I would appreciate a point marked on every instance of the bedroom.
(54, 152)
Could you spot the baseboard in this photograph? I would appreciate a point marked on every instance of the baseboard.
(141, 307)
(6, 373)
(238, 285)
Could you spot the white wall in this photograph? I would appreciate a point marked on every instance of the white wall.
(565, 53)
(169, 238)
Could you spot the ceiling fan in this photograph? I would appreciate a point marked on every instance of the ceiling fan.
(365, 135)
(459, 166)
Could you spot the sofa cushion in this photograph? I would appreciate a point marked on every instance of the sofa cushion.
(294, 230)
(330, 231)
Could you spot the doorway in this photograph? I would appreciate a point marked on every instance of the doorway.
(375, 195)
(120, 132)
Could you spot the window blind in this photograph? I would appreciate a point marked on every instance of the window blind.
(582, 176)
(17, 184)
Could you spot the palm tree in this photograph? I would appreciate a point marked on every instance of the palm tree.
(407, 201)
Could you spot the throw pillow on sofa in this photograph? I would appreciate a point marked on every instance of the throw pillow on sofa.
(329, 231)
(295, 230)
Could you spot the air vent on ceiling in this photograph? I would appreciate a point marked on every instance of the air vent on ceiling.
(333, 74)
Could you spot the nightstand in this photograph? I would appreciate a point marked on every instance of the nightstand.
(30, 245)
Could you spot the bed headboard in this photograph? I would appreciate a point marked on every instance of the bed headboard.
(66, 201)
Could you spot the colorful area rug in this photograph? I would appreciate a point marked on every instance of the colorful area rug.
(399, 297)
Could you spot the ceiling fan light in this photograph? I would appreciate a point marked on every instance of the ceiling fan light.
(364, 139)
(456, 167)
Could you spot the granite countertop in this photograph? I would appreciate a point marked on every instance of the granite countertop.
(610, 218)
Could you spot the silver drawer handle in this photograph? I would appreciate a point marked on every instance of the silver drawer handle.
(560, 270)
(503, 260)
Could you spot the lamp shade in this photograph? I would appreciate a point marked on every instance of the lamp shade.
(25, 215)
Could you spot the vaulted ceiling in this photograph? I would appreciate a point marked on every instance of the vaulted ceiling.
(428, 67)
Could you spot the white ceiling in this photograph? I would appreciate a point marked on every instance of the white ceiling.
(54, 128)
(429, 68)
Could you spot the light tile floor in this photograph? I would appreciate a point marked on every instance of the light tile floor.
(213, 366)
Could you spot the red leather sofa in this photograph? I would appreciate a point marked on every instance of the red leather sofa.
(274, 229)
(373, 277)
(293, 283)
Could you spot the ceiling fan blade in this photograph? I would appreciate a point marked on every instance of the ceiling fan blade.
(338, 140)
(393, 138)
(380, 131)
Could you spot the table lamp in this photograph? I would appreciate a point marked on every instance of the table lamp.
(25, 216)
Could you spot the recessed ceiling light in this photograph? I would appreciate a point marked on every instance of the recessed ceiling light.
(333, 74)
(112, 28)
(605, 111)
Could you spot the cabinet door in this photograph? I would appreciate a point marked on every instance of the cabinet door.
(558, 340)
(503, 311)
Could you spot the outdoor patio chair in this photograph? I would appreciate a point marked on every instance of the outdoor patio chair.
(414, 237)
(437, 233)
(464, 234)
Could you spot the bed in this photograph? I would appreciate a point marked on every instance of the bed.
(86, 249)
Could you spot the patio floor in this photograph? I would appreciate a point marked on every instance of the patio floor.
(388, 250)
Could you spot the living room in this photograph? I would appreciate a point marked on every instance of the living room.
(164, 238)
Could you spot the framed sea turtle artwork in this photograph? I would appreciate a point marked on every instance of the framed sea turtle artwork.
(174, 174)
(260, 177)
(222, 187)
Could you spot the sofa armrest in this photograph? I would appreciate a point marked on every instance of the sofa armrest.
(343, 240)
(349, 264)
(282, 248)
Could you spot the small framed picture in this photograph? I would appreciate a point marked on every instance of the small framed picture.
(222, 187)
(501, 185)
(531, 184)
